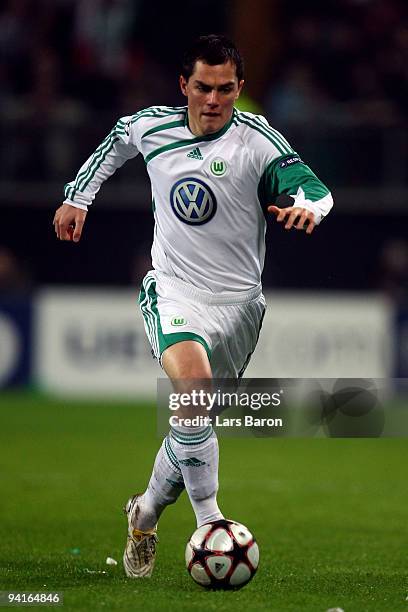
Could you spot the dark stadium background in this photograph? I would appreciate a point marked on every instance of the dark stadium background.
(78, 426)
(332, 76)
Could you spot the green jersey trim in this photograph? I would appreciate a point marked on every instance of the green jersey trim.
(99, 155)
(165, 126)
(83, 179)
(268, 129)
(158, 340)
(148, 306)
(182, 336)
(97, 159)
(215, 134)
(188, 141)
(267, 133)
(159, 112)
(279, 178)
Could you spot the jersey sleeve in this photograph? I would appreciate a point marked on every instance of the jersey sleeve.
(119, 145)
(282, 171)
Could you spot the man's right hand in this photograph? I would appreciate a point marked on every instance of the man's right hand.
(68, 222)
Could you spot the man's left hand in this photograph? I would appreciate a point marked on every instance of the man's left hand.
(294, 216)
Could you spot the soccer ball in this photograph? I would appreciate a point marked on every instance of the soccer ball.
(222, 555)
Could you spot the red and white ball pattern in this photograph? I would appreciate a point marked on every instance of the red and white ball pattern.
(222, 555)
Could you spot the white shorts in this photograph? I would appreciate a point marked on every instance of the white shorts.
(227, 326)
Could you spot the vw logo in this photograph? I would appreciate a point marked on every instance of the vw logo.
(192, 201)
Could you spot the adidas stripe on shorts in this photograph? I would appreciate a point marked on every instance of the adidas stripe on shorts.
(227, 326)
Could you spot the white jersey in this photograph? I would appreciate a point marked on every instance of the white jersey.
(209, 193)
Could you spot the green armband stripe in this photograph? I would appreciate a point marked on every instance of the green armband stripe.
(300, 175)
(276, 180)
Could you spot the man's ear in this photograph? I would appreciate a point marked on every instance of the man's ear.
(183, 84)
(240, 86)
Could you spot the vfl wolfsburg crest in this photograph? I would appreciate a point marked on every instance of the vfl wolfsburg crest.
(218, 167)
(192, 201)
(178, 321)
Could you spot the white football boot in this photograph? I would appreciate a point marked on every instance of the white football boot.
(140, 550)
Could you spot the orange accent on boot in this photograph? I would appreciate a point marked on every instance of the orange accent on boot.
(136, 533)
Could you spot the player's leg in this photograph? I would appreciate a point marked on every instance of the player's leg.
(195, 447)
(166, 482)
(188, 457)
(143, 512)
(180, 359)
(235, 331)
(164, 488)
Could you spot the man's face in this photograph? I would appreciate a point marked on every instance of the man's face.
(211, 93)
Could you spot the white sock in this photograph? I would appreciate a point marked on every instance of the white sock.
(165, 486)
(196, 450)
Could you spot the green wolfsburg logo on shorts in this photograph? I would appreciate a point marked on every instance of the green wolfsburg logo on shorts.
(218, 167)
(178, 321)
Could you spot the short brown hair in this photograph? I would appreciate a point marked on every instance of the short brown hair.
(213, 49)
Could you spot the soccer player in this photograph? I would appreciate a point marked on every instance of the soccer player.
(215, 173)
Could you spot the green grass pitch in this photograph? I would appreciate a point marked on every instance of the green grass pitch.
(330, 516)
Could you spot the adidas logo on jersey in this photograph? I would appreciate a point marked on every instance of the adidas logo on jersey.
(195, 154)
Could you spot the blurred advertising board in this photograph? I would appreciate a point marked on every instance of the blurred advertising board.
(402, 343)
(325, 336)
(93, 342)
(15, 341)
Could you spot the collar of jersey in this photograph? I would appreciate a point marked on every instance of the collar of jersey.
(214, 135)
